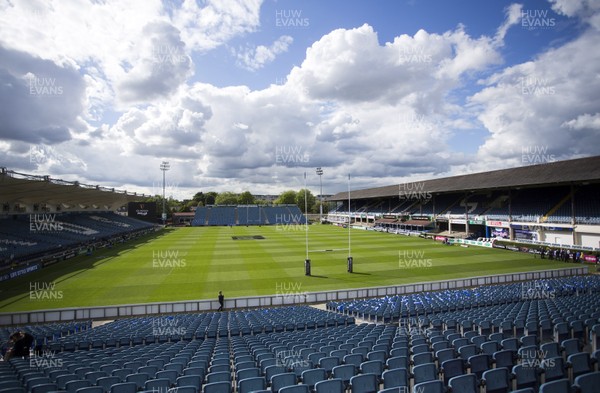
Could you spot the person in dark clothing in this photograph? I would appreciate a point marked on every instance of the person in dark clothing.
(221, 300)
(21, 344)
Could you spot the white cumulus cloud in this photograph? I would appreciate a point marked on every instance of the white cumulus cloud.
(255, 58)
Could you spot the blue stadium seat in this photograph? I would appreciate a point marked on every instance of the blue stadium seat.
(397, 362)
(579, 364)
(94, 375)
(121, 373)
(62, 380)
(571, 346)
(10, 384)
(467, 383)
(511, 344)
(43, 388)
(445, 354)
(505, 358)
(345, 372)
(294, 389)
(73, 386)
(217, 387)
(312, 377)
(588, 383)
(248, 373)
(189, 380)
(171, 375)
(424, 373)
(554, 369)
(124, 387)
(372, 367)
(32, 380)
(160, 384)
(355, 359)
(422, 358)
(139, 379)
(526, 376)
(107, 382)
(330, 386)
(279, 381)
(466, 351)
(496, 380)
(220, 376)
(364, 383)
(396, 378)
(429, 387)
(557, 386)
(271, 371)
(251, 384)
(489, 347)
(478, 364)
(551, 350)
(328, 363)
(451, 368)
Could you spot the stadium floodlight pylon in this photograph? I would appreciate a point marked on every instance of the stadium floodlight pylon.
(350, 260)
(164, 167)
(320, 174)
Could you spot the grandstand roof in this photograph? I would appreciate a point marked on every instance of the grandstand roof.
(554, 173)
(33, 189)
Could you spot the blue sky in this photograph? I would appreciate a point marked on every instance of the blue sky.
(250, 94)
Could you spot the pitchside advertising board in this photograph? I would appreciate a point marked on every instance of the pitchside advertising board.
(19, 272)
(142, 211)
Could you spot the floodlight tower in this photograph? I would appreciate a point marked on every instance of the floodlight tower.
(164, 167)
(320, 173)
(350, 259)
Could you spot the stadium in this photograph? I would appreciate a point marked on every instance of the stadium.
(283, 196)
(482, 281)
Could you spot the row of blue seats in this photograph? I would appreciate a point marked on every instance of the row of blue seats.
(44, 231)
(363, 383)
(133, 331)
(46, 333)
(257, 347)
(528, 204)
(140, 363)
(391, 308)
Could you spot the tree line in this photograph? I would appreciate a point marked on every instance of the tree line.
(289, 197)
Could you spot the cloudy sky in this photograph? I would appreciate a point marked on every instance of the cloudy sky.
(251, 94)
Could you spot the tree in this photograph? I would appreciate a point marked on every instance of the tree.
(286, 198)
(188, 205)
(316, 209)
(226, 198)
(246, 198)
(199, 198)
(310, 198)
(171, 205)
(210, 198)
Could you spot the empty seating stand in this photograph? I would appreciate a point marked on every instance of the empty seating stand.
(303, 349)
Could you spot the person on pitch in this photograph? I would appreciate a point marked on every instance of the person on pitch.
(221, 301)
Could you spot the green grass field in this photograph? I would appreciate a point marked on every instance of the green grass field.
(195, 263)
